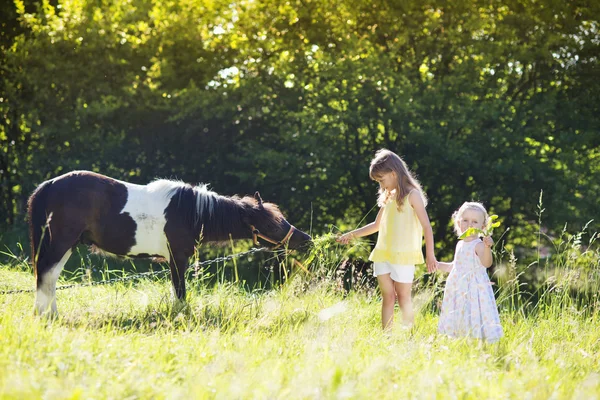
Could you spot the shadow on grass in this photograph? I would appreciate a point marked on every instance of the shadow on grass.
(234, 312)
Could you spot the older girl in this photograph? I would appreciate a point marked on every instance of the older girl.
(401, 222)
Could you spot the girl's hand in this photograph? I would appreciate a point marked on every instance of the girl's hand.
(444, 266)
(345, 238)
(488, 242)
(432, 264)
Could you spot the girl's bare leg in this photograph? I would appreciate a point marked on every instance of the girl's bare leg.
(388, 294)
(404, 291)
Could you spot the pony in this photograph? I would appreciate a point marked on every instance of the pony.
(164, 218)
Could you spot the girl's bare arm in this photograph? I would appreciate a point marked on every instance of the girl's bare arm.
(366, 230)
(484, 251)
(416, 201)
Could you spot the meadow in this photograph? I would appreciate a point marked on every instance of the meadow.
(309, 338)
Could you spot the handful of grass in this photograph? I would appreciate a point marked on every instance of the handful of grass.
(492, 223)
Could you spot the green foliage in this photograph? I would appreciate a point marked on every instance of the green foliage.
(488, 231)
(485, 101)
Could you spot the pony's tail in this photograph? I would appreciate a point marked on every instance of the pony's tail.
(38, 223)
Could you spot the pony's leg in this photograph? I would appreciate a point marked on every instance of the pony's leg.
(178, 266)
(48, 271)
(63, 237)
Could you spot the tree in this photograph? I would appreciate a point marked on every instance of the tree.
(485, 101)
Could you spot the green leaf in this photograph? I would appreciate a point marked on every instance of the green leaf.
(469, 232)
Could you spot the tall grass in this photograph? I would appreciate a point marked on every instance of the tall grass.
(316, 336)
(294, 342)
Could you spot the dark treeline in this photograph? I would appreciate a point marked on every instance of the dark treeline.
(486, 100)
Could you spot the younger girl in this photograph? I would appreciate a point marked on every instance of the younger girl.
(469, 307)
(401, 221)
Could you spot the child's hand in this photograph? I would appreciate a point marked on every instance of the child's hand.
(345, 238)
(432, 265)
(444, 266)
(488, 241)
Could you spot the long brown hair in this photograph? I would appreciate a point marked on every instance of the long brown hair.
(386, 161)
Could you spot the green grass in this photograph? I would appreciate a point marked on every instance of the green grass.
(306, 340)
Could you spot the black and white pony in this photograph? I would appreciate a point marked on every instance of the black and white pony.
(164, 218)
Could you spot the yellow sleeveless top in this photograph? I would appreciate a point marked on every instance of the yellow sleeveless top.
(400, 239)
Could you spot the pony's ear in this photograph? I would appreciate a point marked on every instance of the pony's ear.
(258, 198)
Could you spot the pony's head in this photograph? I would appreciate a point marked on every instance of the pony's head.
(271, 229)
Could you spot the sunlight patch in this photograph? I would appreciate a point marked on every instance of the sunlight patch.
(332, 311)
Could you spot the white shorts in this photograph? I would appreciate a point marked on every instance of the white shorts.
(398, 273)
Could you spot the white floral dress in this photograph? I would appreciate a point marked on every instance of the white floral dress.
(469, 307)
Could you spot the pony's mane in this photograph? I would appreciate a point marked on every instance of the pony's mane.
(169, 188)
(210, 214)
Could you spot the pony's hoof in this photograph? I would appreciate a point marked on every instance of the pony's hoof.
(178, 305)
(49, 315)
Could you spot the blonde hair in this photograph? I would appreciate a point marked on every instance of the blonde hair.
(468, 205)
(386, 161)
